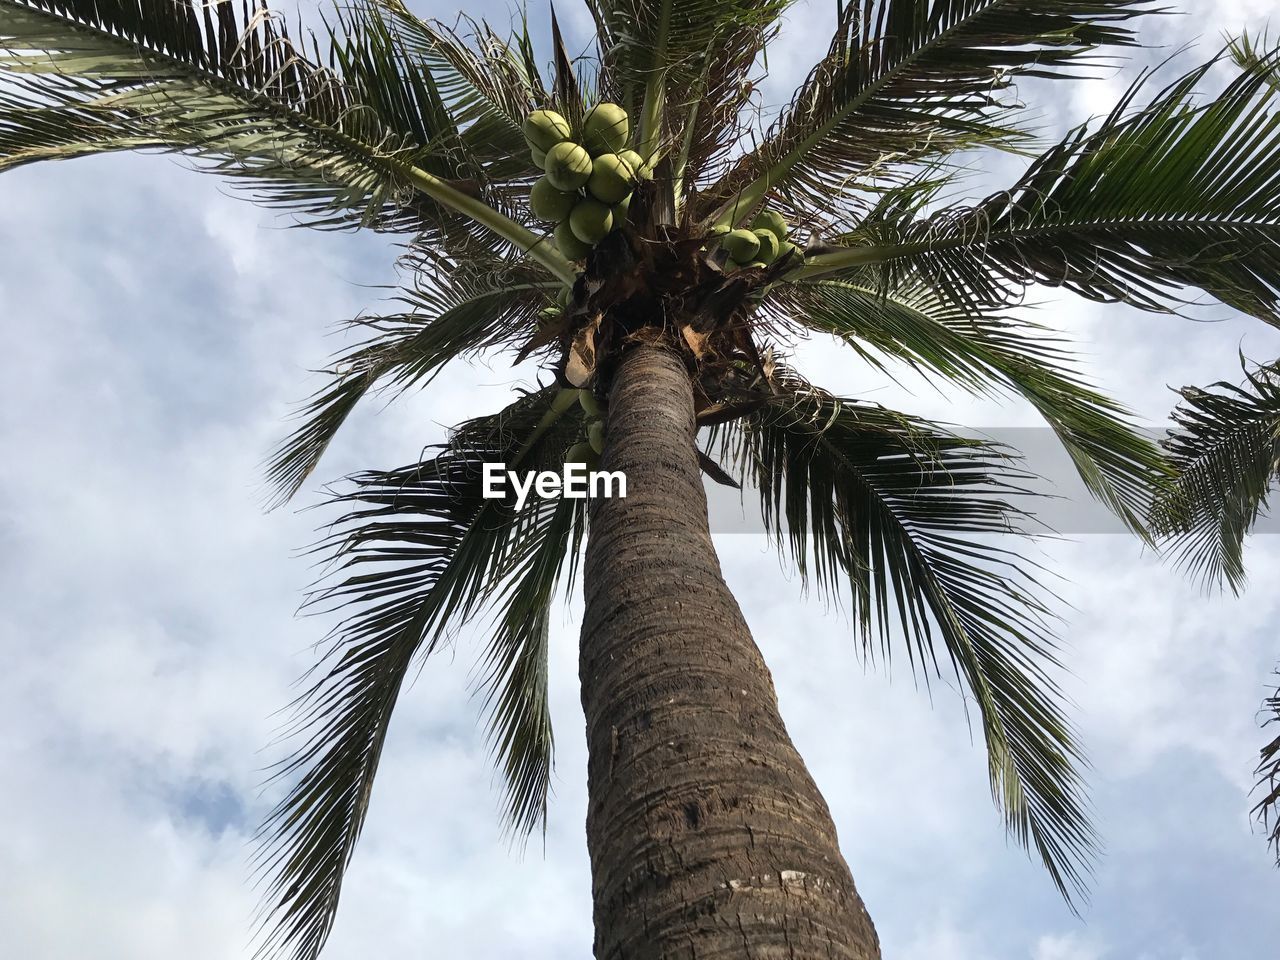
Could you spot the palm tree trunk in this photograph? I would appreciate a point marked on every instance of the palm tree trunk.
(708, 837)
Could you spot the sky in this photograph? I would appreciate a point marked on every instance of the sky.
(157, 332)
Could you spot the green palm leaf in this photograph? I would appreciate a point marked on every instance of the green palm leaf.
(902, 515)
(454, 311)
(1178, 193)
(420, 549)
(1226, 449)
(681, 66)
(1124, 469)
(488, 85)
(368, 140)
(1269, 779)
(905, 79)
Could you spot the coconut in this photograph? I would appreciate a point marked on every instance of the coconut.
(640, 169)
(568, 166)
(742, 245)
(590, 220)
(595, 436)
(755, 265)
(789, 249)
(581, 453)
(605, 128)
(564, 296)
(543, 129)
(539, 157)
(590, 405)
(563, 400)
(772, 221)
(612, 180)
(718, 230)
(769, 245)
(548, 203)
(569, 244)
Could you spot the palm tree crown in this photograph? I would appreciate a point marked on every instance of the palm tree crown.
(390, 122)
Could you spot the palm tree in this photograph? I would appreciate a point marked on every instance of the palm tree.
(707, 836)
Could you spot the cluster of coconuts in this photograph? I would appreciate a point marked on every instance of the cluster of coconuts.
(588, 451)
(765, 242)
(588, 178)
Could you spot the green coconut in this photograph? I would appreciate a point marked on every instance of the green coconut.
(565, 399)
(772, 221)
(612, 180)
(543, 129)
(539, 157)
(789, 249)
(755, 265)
(742, 245)
(581, 453)
(718, 230)
(595, 436)
(769, 245)
(569, 244)
(591, 220)
(640, 169)
(605, 128)
(590, 405)
(548, 203)
(564, 296)
(568, 166)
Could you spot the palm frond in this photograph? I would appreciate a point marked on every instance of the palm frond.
(419, 551)
(1179, 193)
(985, 353)
(683, 65)
(902, 514)
(486, 83)
(906, 79)
(516, 662)
(1225, 448)
(364, 139)
(454, 310)
(198, 78)
(1268, 772)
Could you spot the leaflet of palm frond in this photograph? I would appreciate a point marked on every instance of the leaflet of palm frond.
(1268, 809)
(910, 79)
(453, 312)
(1225, 448)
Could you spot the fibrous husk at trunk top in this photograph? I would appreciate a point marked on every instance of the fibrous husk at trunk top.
(672, 291)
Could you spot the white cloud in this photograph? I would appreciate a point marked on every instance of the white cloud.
(1066, 947)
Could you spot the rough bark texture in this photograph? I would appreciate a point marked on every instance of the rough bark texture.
(708, 837)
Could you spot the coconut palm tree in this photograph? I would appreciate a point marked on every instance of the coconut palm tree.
(662, 318)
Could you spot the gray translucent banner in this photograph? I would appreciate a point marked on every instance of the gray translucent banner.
(1056, 498)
